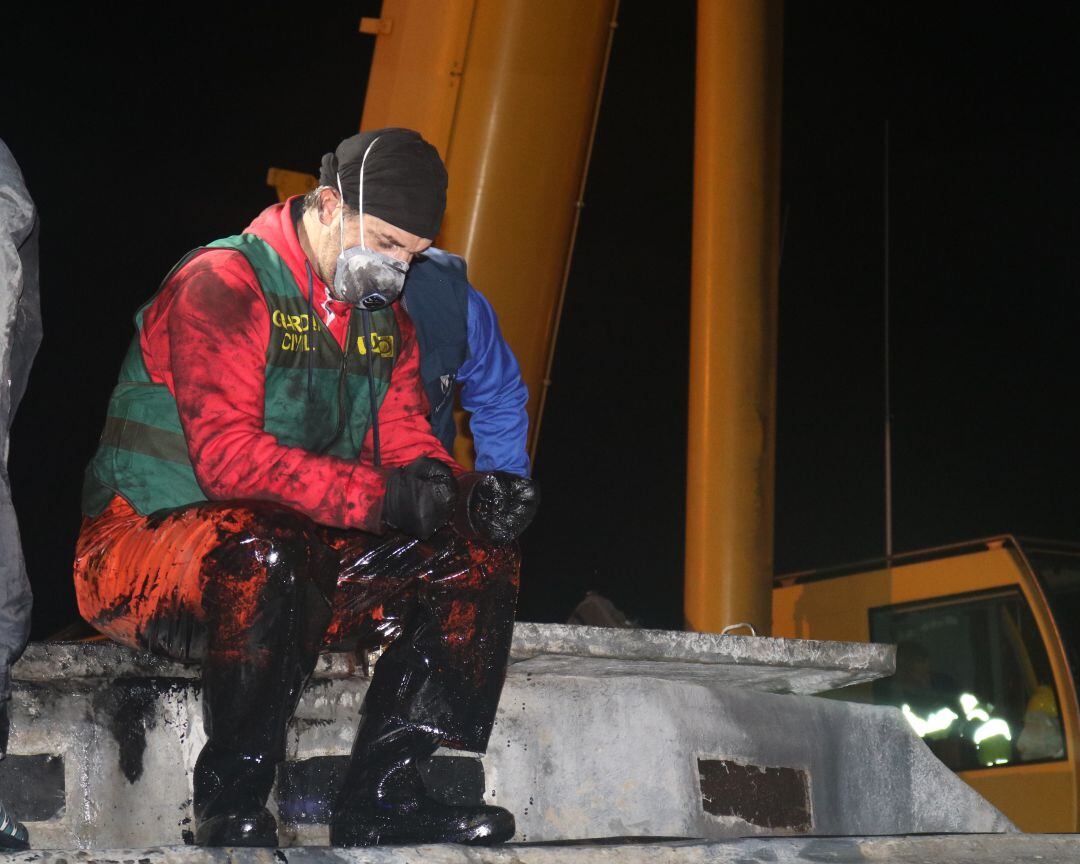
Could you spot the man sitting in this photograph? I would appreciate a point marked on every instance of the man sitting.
(268, 486)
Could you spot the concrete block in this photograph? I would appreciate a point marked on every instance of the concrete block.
(587, 757)
(599, 733)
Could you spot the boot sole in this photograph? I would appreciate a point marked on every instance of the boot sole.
(258, 831)
(485, 833)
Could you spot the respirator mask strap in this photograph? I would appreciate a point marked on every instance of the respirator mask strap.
(360, 201)
(341, 219)
(365, 316)
(360, 196)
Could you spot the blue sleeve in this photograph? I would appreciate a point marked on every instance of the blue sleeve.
(494, 394)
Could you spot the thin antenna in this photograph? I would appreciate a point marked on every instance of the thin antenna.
(888, 406)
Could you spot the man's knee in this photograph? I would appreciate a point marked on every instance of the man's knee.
(493, 566)
(270, 553)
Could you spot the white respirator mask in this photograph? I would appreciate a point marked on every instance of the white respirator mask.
(365, 277)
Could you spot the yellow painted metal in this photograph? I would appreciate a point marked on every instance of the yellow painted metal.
(417, 66)
(1037, 796)
(289, 183)
(517, 158)
(837, 609)
(375, 26)
(517, 119)
(734, 269)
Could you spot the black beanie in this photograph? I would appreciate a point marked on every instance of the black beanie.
(404, 178)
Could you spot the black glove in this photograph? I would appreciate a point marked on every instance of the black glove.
(495, 505)
(420, 497)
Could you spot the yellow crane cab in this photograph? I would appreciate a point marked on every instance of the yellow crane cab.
(988, 656)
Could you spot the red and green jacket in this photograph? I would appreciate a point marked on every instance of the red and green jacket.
(246, 380)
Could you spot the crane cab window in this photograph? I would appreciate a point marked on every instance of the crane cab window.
(973, 679)
(1059, 574)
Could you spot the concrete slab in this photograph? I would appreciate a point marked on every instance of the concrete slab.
(965, 849)
(756, 663)
(751, 662)
(599, 733)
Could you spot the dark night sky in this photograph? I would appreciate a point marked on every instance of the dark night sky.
(144, 134)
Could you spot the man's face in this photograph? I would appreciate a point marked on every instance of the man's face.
(378, 235)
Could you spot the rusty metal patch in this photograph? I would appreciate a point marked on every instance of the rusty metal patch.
(763, 796)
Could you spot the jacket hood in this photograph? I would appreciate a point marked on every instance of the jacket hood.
(275, 226)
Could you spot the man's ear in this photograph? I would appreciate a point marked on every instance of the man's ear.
(328, 204)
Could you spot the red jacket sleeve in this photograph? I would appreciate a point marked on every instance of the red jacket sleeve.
(217, 327)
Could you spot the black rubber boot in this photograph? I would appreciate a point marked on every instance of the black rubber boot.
(253, 674)
(13, 837)
(230, 795)
(383, 800)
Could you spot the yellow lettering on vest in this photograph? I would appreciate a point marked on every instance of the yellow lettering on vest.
(381, 346)
(295, 342)
(296, 323)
